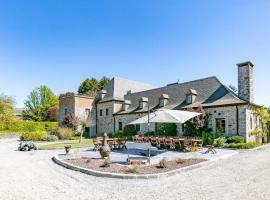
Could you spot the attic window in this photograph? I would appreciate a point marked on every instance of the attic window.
(189, 99)
(191, 96)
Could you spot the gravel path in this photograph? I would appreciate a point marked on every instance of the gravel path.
(32, 176)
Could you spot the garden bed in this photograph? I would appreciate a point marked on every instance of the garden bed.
(96, 165)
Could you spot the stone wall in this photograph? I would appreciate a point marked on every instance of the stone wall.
(66, 102)
(229, 113)
(105, 123)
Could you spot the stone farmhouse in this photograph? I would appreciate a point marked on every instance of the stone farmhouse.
(123, 101)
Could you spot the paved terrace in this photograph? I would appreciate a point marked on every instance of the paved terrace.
(32, 175)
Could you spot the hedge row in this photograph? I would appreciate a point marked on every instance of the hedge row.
(27, 126)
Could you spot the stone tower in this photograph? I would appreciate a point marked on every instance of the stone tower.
(246, 81)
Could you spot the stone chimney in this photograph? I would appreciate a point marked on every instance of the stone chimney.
(143, 102)
(126, 104)
(163, 100)
(246, 81)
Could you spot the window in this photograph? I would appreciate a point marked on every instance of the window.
(87, 112)
(66, 111)
(251, 123)
(189, 99)
(138, 127)
(120, 126)
(100, 112)
(220, 125)
(107, 111)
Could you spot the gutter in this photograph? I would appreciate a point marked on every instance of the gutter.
(237, 120)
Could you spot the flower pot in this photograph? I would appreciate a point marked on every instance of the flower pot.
(67, 149)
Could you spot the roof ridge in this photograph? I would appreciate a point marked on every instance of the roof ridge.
(210, 77)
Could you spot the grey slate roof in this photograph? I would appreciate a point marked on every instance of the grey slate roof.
(210, 92)
(118, 87)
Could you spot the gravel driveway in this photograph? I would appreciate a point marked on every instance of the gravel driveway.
(33, 176)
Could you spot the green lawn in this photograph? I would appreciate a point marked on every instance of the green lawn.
(74, 144)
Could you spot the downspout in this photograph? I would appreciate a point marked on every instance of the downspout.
(96, 117)
(114, 123)
(237, 120)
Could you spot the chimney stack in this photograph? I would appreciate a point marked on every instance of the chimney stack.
(246, 81)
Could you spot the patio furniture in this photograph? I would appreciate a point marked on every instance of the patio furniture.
(178, 143)
(122, 143)
(154, 141)
(187, 145)
(210, 148)
(161, 142)
(141, 146)
(168, 143)
(97, 143)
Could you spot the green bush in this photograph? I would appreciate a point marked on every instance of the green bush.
(235, 139)
(208, 138)
(130, 130)
(27, 126)
(63, 133)
(33, 136)
(219, 142)
(249, 145)
(167, 129)
(51, 138)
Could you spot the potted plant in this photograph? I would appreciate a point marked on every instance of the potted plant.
(67, 148)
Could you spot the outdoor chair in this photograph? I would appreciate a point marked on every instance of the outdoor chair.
(122, 143)
(168, 144)
(177, 144)
(154, 141)
(161, 142)
(97, 144)
(146, 139)
(187, 145)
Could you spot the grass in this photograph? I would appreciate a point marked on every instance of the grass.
(9, 132)
(73, 143)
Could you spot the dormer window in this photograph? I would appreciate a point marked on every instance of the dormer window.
(163, 100)
(191, 96)
(143, 102)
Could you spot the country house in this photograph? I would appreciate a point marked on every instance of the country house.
(123, 101)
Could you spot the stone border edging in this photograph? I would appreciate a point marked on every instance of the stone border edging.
(58, 161)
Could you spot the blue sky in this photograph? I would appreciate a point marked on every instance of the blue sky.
(61, 42)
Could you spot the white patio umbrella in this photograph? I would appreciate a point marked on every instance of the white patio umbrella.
(167, 116)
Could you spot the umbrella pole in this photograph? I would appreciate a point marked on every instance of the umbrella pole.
(148, 124)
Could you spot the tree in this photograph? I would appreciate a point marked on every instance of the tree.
(38, 103)
(264, 117)
(7, 111)
(92, 86)
(197, 125)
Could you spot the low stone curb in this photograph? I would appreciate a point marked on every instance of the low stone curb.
(57, 160)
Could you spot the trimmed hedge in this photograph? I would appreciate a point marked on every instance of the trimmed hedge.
(235, 139)
(249, 145)
(27, 126)
(34, 136)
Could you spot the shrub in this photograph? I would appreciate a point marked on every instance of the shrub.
(235, 139)
(106, 163)
(34, 136)
(219, 142)
(167, 129)
(151, 133)
(27, 126)
(130, 130)
(51, 138)
(63, 133)
(162, 163)
(208, 138)
(134, 169)
(249, 145)
(180, 161)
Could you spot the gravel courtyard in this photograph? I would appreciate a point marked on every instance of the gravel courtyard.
(32, 176)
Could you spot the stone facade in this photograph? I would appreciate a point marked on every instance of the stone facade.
(246, 81)
(116, 106)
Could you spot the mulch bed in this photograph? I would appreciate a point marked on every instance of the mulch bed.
(95, 164)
